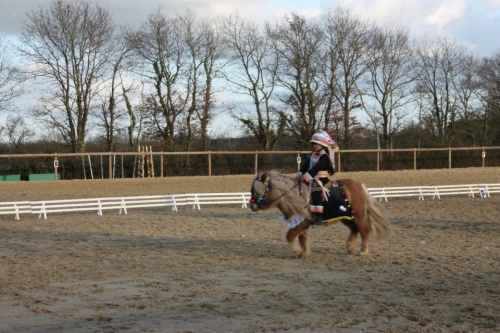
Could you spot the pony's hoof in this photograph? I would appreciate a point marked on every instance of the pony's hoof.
(363, 253)
(304, 256)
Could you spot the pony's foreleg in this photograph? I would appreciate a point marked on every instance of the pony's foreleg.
(291, 238)
(300, 247)
(304, 245)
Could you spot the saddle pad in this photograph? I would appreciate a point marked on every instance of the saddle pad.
(337, 207)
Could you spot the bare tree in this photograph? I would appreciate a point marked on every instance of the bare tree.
(327, 73)
(134, 127)
(204, 52)
(389, 80)
(10, 77)
(180, 58)
(489, 76)
(296, 42)
(17, 132)
(253, 73)
(159, 52)
(438, 64)
(469, 105)
(350, 38)
(115, 96)
(69, 46)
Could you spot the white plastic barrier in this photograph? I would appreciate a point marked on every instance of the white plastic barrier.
(99, 204)
(435, 191)
(395, 192)
(16, 208)
(42, 208)
(197, 199)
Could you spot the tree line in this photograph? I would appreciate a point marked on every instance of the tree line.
(116, 87)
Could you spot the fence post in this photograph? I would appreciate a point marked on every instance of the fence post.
(161, 164)
(378, 159)
(110, 166)
(56, 165)
(339, 161)
(414, 158)
(209, 163)
(449, 157)
(256, 161)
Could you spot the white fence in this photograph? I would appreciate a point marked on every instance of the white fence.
(15, 208)
(100, 204)
(196, 200)
(483, 190)
(121, 204)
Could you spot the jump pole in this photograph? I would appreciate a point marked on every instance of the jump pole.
(90, 166)
(84, 172)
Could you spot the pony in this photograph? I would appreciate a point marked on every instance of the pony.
(365, 216)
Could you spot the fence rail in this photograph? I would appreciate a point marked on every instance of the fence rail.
(124, 164)
(196, 200)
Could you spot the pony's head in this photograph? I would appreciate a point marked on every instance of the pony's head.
(271, 189)
(258, 191)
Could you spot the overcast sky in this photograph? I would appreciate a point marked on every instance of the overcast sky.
(474, 23)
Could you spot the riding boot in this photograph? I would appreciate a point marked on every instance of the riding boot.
(318, 219)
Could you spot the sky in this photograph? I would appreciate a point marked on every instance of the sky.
(472, 23)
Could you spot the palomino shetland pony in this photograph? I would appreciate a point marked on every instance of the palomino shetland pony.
(364, 215)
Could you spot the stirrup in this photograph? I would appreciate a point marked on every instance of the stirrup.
(318, 221)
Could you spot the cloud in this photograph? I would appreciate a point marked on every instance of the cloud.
(471, 22)
(446, 12)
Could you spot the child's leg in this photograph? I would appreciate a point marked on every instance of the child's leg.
(316, 207)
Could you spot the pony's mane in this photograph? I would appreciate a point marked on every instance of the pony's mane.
(284, 193)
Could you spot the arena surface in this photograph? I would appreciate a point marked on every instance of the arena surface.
(226, 269)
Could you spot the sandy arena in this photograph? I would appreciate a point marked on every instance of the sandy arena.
(226, 269)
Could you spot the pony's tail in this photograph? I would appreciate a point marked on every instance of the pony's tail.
(376, 218)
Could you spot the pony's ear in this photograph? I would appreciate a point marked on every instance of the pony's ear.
(261, 175)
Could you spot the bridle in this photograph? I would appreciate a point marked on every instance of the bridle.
(259, 200)
(266, 185)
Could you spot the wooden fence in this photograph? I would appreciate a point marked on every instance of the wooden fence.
(123, 164)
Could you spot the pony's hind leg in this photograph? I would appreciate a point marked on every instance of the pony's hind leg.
(352, 240)
(358, 225)
(364, 242)
(363, 232)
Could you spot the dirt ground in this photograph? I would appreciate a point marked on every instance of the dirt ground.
(226, 269)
